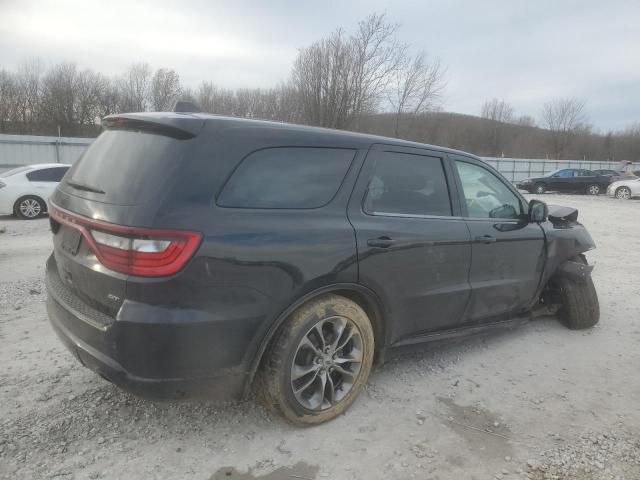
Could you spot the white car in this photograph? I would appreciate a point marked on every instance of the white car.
(625, 189)
(24, 191)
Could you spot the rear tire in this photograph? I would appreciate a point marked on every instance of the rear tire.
(29, 207)
(298, 378)
(593, 189)
(539, 188)
(623, 193)
(580, 306)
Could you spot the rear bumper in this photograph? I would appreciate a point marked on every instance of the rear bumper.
(168, 352)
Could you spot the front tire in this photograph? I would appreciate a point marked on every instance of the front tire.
(593, 189)
(580, 306)
(318, 362)
(29, 207)
(623, 193)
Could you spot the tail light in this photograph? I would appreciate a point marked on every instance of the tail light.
(143, 252)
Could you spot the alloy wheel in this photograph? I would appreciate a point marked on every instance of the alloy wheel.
(594, 189)
(30, 208)
(327, 363)
(623, 193)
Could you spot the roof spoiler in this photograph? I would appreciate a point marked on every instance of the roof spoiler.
(179, 127)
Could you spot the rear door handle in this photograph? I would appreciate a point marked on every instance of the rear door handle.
(382, 242)
(486, 239)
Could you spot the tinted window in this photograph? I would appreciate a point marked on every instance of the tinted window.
(564, 173)
(407, 184)
(47, 174)
(289, 177)
(486, 196)
(129, 167)
(586, 173)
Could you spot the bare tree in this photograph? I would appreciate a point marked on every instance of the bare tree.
(165, 89)
(210, 98)
(8, 98)
(110, 97)
(377, 54)
(499, 113)
(416, 87)
(525, 121)
(497, 110)
(338, 79)
(28, 85)
(135, 86)
(90, 89)
(322, 76)
(563, 116)
(59, 96)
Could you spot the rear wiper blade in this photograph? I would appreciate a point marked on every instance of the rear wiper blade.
(83, 186)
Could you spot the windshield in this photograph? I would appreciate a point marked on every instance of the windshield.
(14, 171)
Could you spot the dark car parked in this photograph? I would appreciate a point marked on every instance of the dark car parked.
(570, 180)
(203, 255)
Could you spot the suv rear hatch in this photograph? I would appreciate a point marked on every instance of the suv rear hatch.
(103, 211)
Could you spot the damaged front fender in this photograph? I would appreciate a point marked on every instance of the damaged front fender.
(566, 239)
(577, 270)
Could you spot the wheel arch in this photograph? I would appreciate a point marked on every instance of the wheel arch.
(363, 296)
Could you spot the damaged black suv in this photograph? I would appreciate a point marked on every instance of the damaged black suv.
(203, 255)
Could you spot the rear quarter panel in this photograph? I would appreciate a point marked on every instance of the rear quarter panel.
(253, 263)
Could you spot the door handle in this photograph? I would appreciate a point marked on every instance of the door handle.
(382, 242)
(486, 239)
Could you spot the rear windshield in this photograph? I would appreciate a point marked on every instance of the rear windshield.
(126, 167)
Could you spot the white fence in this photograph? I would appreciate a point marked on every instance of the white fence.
(18, 150)
(518, 168)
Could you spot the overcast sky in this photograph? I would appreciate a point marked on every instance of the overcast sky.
(523, 51)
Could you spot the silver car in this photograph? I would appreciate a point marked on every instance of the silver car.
(625, 189)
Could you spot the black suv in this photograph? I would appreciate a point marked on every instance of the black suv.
(202, 255)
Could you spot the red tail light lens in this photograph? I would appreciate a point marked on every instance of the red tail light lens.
(142, 252)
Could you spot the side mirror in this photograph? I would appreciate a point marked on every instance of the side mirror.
(538, 211)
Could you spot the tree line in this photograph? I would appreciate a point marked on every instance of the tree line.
(367, 80)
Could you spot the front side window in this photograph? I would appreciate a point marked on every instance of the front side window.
(407, 184)
(486, 196)
(564, 173)
(288, 177)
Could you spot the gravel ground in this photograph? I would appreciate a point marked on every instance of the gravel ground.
(537, 402)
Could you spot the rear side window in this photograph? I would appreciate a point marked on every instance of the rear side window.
(407, 184)
(290, 177)
(54, 174)
(125, 167)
